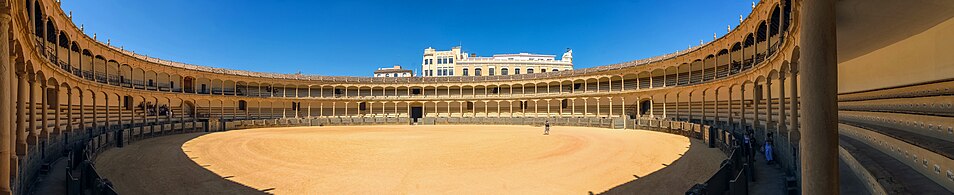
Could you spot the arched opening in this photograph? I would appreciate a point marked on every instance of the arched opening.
(735, 56)
(748, 52)
(87, 65)
(63, 52)
(37, 14)
(74, 60)
(99, 64)
(188, 84)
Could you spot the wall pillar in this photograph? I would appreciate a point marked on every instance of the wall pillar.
(6, 99)
(729, 109)
(819, 66)
(676, 109)
(781, 123)
(715, 108)
(703, 118)
(689, 104)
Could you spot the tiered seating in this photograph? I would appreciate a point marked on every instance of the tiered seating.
(907, 131)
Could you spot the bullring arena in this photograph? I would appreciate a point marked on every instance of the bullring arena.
(454, 159)
(781, 103)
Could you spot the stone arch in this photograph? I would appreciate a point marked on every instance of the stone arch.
(86, 61)
(112, 72)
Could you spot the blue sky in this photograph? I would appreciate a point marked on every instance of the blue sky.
(355, 37)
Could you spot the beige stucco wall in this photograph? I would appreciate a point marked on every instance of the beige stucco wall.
(928, 56)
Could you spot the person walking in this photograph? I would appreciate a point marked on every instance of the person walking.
(546, 127)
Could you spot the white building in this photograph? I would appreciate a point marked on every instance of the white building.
(455, 62)
(395, 71)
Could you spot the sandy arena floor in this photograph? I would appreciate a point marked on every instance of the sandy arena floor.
(411, 160)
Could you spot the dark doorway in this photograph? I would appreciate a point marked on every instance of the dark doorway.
(416, 113)
(644, 108)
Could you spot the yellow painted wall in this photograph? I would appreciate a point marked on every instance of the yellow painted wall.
(928, 56)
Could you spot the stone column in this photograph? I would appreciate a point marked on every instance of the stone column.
(639, 107)
(652, 107)
(498, 108)
(768, 104)
(44, 111)
(56, 114)
(756, 93)
(819, 147)
(6, 99)
(597, 103)
(69, 112)
(573, 107)
(793, 124)
(31, 123)
(22, 92)
(782, 127)
(106, 122)
(742, 108)
(142, 129)
(665, 99)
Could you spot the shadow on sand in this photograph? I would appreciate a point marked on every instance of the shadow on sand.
(161, 166)
(695, 166)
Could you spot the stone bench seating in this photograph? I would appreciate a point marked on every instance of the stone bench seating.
(932, 89)
(935, 105)
(913, 126)
(931, 126)
(924, 162)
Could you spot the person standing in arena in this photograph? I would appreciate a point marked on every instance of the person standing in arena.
(546, 127)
